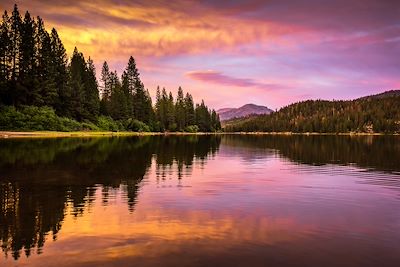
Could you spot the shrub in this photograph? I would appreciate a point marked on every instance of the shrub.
(89, 126)
(108, 124)
(155, 126)
(136, 126)
(30, 118)
(173, 127)
(192, 129)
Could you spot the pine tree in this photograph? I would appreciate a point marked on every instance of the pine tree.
(127, 94)
(91, 96)
(60, 74)
(105, 78)
(163, 106)
(159, 109)
(180, 110)
(203, 117)
(132, 75)
(139, 100)
(45, 93)
(189, 110)
(77, 71)
(27, 61)
(131, 83)
(148, 107)
(15, 42)
(5, 49)
(215, 122)
(117, 106)
(170, 113)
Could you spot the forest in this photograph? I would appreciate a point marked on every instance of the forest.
(372, 114)
(42, 89)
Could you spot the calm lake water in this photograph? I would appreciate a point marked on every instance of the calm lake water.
(201, 201)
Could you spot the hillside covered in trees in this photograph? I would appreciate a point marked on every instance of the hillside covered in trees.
(41, 89)
(372, 114)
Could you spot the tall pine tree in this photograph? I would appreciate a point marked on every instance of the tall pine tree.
(45, 92)
(189, 110)
(60, 74)
(91, 95)
(5, 70)
(27, 61)
(180, 110)
(15, 42)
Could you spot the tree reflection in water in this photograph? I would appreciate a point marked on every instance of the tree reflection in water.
(40, 178)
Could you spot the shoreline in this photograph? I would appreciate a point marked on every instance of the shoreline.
(313, 133)
(54, 134)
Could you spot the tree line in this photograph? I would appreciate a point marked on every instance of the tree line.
(36, 77)
(380, 114)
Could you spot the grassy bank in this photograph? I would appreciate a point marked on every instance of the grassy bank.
(310, 133)
(50, 134)
(55, 134)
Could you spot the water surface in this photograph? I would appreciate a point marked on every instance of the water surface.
(201, 201)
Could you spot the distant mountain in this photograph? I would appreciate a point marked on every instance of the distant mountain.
(390, 93)
(243, 111)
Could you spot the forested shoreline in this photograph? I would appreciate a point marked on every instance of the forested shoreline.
(372, 114)
(42, 89)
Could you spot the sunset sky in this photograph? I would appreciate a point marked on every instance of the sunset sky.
(235, 52)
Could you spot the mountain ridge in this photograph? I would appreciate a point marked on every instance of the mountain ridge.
(390, 93)
(243, 111)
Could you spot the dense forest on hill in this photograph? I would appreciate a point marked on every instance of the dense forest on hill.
(373, 114)
(41, 89)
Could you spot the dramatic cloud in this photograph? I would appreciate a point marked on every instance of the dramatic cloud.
(304, 48)
(221, 79)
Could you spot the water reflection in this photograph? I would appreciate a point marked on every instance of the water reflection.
(375, 152)
(201, 200)
(41, 177)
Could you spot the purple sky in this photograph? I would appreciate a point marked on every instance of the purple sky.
(231, 53)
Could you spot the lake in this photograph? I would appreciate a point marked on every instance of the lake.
(214, 200)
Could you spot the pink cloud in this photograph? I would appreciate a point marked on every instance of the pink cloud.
(219, 78)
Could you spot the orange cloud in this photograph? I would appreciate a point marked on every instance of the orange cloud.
(105, 29)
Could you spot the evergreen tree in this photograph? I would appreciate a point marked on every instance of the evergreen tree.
(148, 107)
(189, 110)
(77, 71)
(132, 85)
(60, 74)
(27, 61)
(203, 117)
(159, 109)
(139, 102)
(180, 110)
(132, 75)
(15, 42)
(170, 113)
(117, 106)
(45, 92)
(127, 93)
(91, 100)
(215, 122)
(105, 89)
(5, 48)
(105, 78)
(163, 109)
